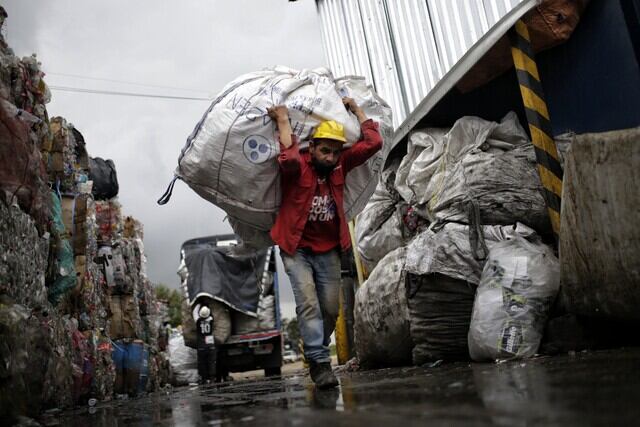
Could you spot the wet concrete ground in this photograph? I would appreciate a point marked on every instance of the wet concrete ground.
(595, 388)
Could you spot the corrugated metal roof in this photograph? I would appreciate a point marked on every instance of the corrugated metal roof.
(404, 47)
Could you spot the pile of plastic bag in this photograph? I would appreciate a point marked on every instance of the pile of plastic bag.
(447, 206)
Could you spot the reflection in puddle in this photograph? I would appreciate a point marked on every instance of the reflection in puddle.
(601, 388)
(515, 393)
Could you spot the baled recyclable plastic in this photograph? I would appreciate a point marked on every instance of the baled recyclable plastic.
(230, 158)
(21, 172)
(381, 328)
(64, 277)
(519, 283)
(24, 258)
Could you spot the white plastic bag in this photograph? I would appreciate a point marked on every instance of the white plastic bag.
(518, 285)
(184, 361)
(230, 158)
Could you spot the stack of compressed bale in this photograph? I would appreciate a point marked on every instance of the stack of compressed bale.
(54, 287)
(134, 324)
(124, 325)
(36, 348)
(149, 307)
(81, 295)
(455, 195)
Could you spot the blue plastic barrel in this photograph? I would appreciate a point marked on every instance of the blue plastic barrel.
(119, 355)
(132, 366)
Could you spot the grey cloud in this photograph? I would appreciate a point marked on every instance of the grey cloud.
(189, 44)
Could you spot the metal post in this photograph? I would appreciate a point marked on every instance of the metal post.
(537, 114)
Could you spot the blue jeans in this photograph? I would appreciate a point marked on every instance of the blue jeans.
(315, 280)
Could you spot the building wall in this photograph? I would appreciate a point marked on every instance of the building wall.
(403, 47)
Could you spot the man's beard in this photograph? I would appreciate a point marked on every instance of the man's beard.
(321, 169)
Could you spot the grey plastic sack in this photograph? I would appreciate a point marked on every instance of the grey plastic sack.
(424, 148)
(518, 285)
(381, 328)
(484, 166)
(230, 158)
(440, 309)
(452, 252)
(379, 225)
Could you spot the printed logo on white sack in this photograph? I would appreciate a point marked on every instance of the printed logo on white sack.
(257, 149)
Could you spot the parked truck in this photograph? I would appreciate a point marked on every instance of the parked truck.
(231, 313)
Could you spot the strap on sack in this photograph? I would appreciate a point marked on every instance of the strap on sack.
(167, 194)
(476, 236)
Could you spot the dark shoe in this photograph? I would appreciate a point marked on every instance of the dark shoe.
(322, 375)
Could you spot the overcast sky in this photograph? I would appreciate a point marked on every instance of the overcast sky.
(187, 44)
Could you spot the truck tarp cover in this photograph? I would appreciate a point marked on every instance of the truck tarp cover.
(218, 273)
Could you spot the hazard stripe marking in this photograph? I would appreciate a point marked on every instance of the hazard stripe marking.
(531, 82)
(553, 200)
(549, 180)
(552, 165)
(522, 44)
(522, 30)
(524, 63)
(538, 121)
(533, 101)
(537, 112)
(544, 142)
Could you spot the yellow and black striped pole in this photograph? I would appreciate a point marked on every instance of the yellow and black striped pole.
(343, 349)
(537, 114)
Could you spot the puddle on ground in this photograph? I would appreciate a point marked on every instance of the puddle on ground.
(584, 388)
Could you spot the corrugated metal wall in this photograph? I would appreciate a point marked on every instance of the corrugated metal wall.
(403, 47)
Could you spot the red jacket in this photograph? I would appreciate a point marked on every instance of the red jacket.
(299, 181)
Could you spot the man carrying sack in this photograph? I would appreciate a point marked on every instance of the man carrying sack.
(311, 228)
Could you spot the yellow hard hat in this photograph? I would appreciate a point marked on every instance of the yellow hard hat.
(330, 129)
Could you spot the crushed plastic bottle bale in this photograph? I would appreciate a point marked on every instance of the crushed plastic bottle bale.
(24, 258)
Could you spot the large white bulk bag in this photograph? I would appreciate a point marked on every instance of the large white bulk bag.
(230, 159)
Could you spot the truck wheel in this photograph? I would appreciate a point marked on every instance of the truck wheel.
(272, 372)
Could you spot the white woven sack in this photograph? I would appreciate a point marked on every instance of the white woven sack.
(230, 158)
